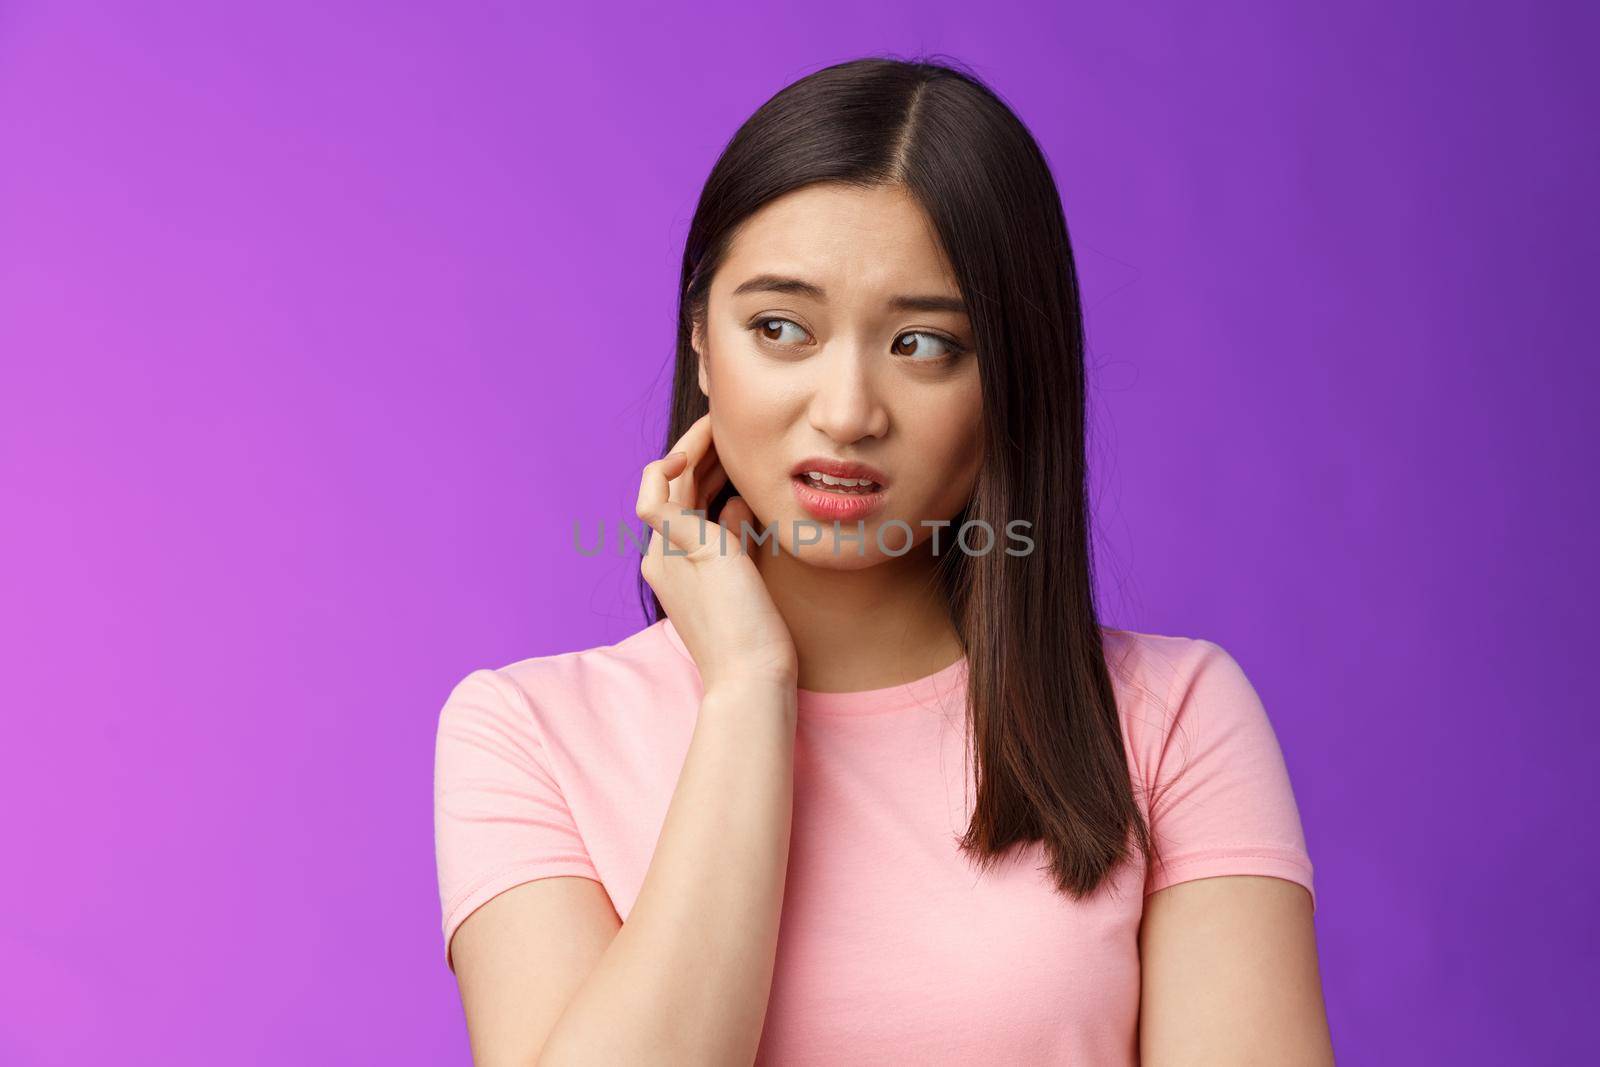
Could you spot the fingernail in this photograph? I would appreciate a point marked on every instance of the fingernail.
(669, 455)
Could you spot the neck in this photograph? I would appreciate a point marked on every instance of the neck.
(869, 628)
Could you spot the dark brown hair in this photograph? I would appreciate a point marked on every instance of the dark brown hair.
(1041, 709)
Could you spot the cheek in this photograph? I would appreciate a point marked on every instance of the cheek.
(748, 413)
(738, 381)
(952, 448)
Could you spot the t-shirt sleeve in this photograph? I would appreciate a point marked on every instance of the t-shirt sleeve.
(1222, 803)
(499, 815)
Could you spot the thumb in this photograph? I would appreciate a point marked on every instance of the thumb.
(735, 515)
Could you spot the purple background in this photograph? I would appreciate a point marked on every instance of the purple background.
(321, 324)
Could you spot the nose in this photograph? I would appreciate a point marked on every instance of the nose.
(845, 398)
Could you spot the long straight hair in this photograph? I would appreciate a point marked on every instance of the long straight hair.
(1041, 710)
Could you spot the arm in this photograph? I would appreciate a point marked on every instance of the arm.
(1227, 945)
(549, 975)
(1230, 975)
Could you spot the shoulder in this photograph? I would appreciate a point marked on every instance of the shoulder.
(578, 682)
(1167, 685)
(648, 656)
(1156, 668)
(1206, 764)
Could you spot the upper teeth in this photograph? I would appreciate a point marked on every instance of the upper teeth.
(828, 479)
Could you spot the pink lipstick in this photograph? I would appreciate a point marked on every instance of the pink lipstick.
(832, 489)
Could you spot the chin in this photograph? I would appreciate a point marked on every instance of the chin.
(847, 558)
(850, 554)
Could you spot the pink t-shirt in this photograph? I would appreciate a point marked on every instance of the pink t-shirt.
(892, 947)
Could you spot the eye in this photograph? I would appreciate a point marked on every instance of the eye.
(764, 328)
(916, 349)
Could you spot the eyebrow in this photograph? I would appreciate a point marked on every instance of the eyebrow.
(776, 283)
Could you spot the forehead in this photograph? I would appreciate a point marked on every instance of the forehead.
(844, 238)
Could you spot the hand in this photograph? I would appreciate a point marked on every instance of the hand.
(715, 596)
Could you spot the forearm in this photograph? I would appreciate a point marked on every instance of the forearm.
(687, 977)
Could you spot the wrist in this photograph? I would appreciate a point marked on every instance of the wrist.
(748, 693)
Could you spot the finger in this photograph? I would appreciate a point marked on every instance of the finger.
(710, 477)
(735, 517)
(684, 530)
(696, 442)
(710, 486)
(653, 487)
(695, 427)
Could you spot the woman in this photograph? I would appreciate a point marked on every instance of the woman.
(867, 792)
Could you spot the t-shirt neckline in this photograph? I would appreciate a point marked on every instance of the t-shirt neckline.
(928, 691)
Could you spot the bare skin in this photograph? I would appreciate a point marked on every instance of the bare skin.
(548, 972)
(1229, 976)
(790, 375)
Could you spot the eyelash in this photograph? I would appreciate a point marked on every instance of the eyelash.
(955, 349)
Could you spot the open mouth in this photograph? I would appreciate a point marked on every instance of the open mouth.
(843, 486)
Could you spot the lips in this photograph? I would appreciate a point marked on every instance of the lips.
(832, 489)
(828, 474)
(829, 484)
(829, 505)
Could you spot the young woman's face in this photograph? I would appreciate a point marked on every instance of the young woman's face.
(834, 331)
